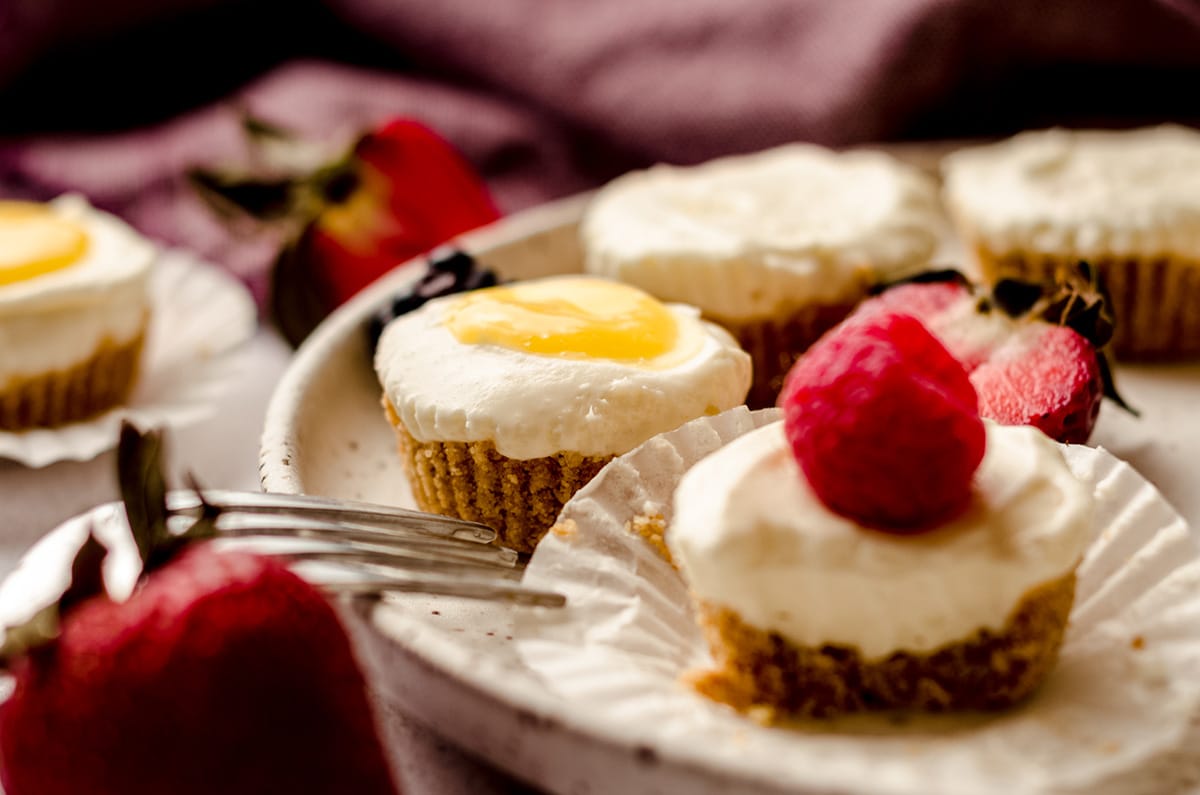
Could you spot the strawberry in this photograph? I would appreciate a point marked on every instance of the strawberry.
(223, 672)
(884, 423)
(400, 191)
(407, 191)
(1032, 352)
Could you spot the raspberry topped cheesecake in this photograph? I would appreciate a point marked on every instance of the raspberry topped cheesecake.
(881, 547)
(508, 399)
(73, 311)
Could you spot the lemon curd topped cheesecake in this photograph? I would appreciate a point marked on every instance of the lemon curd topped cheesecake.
(73, 311)
(507, 400)
(776, 246)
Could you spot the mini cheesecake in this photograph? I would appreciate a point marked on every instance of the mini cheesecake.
(810, 613)
(73, 311)
(776, 246)
(507, 400)
(1126, 202)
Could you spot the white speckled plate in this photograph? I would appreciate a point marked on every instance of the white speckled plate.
(452, 664)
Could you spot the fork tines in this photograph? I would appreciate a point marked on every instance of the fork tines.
(384, 516)
(382, 548)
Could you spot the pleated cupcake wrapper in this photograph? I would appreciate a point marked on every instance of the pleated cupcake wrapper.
(1114, 715)
(471, 480)
(1155, 301)
(199, 317)
(91, 387)
(774, 344)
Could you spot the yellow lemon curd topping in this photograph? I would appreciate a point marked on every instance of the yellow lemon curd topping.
(35, 241)
(571, 317)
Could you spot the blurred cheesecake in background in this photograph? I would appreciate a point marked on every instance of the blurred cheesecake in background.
(1126, 202)
(73, 311)
(777, 246)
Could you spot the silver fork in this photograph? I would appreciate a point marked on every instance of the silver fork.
(372, 549)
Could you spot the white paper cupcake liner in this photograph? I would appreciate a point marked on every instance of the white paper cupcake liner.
(200, 315)
(1114, 716)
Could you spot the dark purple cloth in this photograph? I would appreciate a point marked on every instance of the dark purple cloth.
(547, 97)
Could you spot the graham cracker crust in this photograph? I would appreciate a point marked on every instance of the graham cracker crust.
(520, 499)
(764, 674)
(774, 344)
(652, 530)
(1155, 301)
(91, 387)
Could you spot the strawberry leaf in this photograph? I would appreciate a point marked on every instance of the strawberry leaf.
(297, 290)
(1110, 386)
(87, 574)
(43, 628)
(1086, 313)
(337, 183)
(924, 277)
(143, 489)
(287, 181)
(205, 525)
(259, 129)
(1016, 297)
(265, 199)
(38, 631)
(1076, 299)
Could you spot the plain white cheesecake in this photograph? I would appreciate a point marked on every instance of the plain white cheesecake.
(752, 235)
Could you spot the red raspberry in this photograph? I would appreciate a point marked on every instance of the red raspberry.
(885, 423)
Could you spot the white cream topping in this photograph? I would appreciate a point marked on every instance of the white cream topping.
(751, 536)
(1087, 193)
(58, 319)
(534, 405)
(749, 236)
